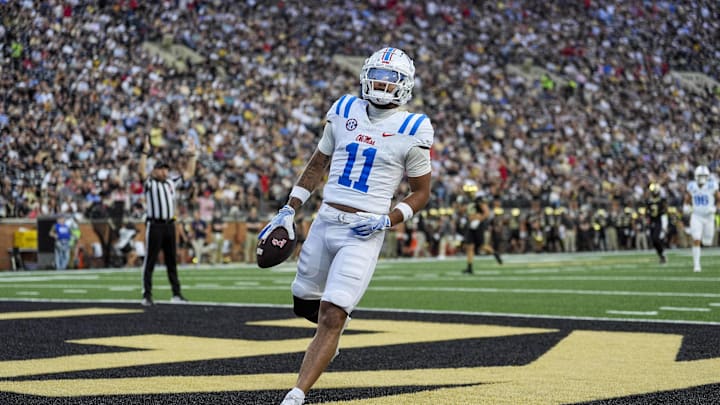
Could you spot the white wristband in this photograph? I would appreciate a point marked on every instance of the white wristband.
(300, 193)
(406, 210)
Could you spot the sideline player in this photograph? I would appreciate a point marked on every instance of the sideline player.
(478, 215)
(658, 220)
(369, 144)
(703, 195)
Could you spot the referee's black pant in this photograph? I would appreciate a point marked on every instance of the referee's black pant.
(160, 236)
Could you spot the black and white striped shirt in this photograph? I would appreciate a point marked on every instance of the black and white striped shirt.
(160, 198)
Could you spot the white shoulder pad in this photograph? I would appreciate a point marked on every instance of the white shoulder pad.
(419, 128)
(341, 108)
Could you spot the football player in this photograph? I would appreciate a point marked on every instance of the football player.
(656, 210)
(478, 214)
(369, 144)
(701, 198)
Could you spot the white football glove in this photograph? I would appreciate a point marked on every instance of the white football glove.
(372, 223)
(663, 233)
(285, 218)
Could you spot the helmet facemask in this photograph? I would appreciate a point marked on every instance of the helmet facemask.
(387, 77)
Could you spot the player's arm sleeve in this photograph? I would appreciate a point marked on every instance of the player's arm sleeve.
(417, 162)
(425, 135)
(418, 168)
(327, 140)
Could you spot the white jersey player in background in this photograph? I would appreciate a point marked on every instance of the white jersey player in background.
(703, 195)
(369, 145)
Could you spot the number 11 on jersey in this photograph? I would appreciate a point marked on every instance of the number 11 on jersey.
(361, 183)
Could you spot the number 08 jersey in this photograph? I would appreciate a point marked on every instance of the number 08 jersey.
(369, 159)
(703, 198)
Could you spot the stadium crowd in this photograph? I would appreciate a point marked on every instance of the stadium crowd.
(80, 92)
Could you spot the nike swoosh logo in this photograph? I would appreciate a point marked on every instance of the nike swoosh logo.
(385, 134)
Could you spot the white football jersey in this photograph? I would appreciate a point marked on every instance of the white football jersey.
(368, 160)
(703, 198)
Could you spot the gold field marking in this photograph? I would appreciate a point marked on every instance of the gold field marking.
(63, 313)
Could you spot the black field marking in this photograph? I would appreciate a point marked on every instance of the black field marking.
(47, 338)
(702, 395)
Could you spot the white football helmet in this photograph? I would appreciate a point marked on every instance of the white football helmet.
(702, 174)
(388, 76)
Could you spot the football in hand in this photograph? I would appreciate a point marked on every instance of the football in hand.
(276, 248)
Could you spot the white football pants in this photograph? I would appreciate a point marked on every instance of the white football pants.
(702, 228)
(334, 265)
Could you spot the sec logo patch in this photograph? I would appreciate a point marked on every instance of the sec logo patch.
(351, 124)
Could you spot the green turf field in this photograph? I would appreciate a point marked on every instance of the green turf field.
(621, 285)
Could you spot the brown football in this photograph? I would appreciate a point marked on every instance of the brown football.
(275, 249)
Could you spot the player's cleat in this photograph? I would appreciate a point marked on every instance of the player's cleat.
(663, 259)
(294, 397)
(178, 299)
(697, 269)
(147, 302)
(497, 258)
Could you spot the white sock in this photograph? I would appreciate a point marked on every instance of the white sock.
(296, 392)
(696, 256)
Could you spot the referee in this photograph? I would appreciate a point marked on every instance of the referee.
(160, 193)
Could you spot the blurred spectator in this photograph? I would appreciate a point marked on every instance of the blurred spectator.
(252, 227)
(198, 238)
(217, 226)
(606, 114)
(63, 236)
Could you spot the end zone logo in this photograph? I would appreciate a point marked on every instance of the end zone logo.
(385, 358)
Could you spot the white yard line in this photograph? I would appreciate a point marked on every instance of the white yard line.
(74, 291)
(415, 289)
(549, 291)
(639, 313)
(123, 288)
(28, 293)
(418, 311)
(492, 277)
(20, 279)
(685, 309)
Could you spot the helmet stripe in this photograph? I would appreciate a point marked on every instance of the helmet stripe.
(417, 124)
(406, 122)
(339, 103)
(349, 104)
(388, 54)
